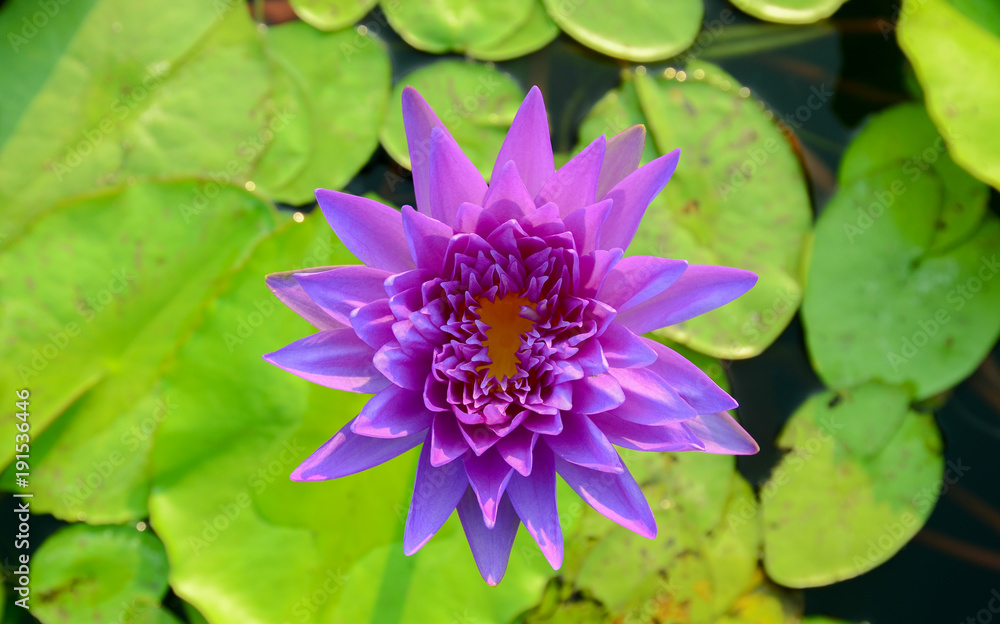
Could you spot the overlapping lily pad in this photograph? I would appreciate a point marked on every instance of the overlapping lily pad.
(902, 281)
(476, 102)
(955, 48)
(790, 11)
(331, 14)
(861, 477)
(456, 25)
(89, 316)
(104, 93)
(738, 198)
(635, 31)
(103, 574)
(334, 88)
(532, 35)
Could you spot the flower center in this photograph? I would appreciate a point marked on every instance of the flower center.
(503, 338)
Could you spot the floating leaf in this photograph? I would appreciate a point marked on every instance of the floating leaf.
(475, 102)
(533, 35)
(331, 14)
(955, 48)
(247, 545)
(635, 31)
(112, 89)
(97, 294)
(790, 11)
(859, 480)
(738, 198)
(341, 86)
(765, 603)
(102, 574)
(456, 25)
(732, 547)
(901, 281)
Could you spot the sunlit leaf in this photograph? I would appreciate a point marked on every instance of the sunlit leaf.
(790, 11)
(331, 14)
(456, 25)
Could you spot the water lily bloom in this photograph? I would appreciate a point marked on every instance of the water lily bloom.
(499, 328)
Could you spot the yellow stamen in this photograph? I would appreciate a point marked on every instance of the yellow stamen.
(503, 338)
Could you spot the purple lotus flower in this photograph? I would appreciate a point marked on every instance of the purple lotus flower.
(499, 326)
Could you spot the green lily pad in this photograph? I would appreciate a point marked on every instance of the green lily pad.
(533, 35)
(337, 86)
(456, 25)
(954, 48)
(635, 31)
(901, 281)
(439, 582)
(860, 479)
(732, 547)
(738, 198)
(97, 295)
(790, 11)
(170, 89)
(765, 603)
(477, 104)
(331, 14)
(104, 574)
(248, 545)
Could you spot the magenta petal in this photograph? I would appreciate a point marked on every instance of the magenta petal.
(517, 449)
(583, 444)
(428, 239)
(342, 290)
(399, 368)
(447, 443)
(290, 292)
(347, 453)
(623, 349)
(490, 547)
(722, 434)
(336, 358)
(621, 158)
(594, 269)
(575, 184)
(393, 413)
(597, 393)
(528, 144)
(693, 385)
(507, 197)
(545, 424)
(649, 399)
(668, 437)
(418, 120)
(436, 492)
(373, 323)
(585, 224)
(454, 179)
(701, 288)
(615, 496)
(534, 500)
(372, 231)
(473, 219)
(488, 476)
(638, 278)
(632, 196)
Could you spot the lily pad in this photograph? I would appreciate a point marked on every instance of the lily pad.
(732, 547)
(790, 11)
(901, 281)
(635, 31)
(456, 25)
(860, 479)
(738, 198)
(476, 102)
(170, 89)
(343, 82)
(97, 295)
(533, 35)
(247, 545)
(331, 14)
(954, 48)
(765, 603)
(108, 574)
